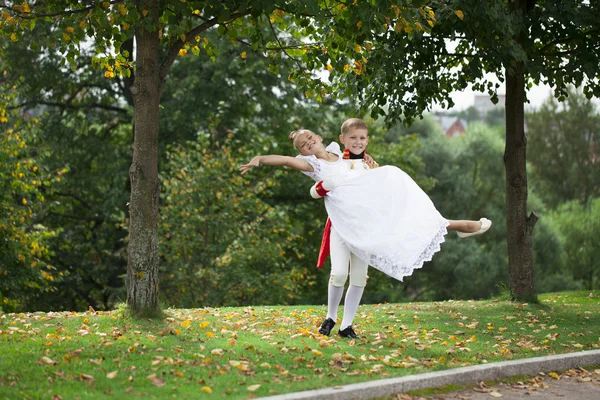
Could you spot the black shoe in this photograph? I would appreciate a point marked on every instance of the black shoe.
(326, 326)
(348, 332)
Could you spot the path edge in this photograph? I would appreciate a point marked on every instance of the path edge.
(456, 376)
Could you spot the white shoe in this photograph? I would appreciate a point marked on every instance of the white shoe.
(485, 225)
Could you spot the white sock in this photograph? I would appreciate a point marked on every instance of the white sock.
(334, 296)
(353, 296)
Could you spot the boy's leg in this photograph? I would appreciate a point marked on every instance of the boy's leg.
(340, 259)
(358, 281)
(334, 296)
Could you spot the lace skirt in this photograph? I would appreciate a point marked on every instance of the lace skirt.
(387, 220)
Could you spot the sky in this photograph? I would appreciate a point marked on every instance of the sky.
(537, 95)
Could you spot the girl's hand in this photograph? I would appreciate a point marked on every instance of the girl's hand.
(370, 162)
(255, 162)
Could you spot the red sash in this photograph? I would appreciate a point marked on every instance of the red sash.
(324, 251)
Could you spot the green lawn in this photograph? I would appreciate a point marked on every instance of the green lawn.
(260, 351)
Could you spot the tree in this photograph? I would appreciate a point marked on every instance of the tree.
(163, 31)
(564, 142)
(520, 42)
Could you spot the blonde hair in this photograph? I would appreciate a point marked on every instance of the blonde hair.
(294, 135)
(353, 123)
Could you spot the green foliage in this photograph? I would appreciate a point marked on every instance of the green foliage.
(563, 141)
(85, 126)
(26, 271)
(405, 70)
(579, 225)
(222, 243)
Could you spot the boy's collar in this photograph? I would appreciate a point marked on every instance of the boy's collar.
(348, 155)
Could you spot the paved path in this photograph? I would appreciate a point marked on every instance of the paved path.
(575, 382)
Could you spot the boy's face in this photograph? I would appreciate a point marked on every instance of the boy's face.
(356, 140)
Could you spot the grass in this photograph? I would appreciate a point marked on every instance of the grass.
(260, 351)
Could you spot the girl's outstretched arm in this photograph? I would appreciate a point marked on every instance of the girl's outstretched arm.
(292, 162)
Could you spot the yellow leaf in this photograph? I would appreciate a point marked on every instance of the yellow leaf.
(459, 14)
(554, 375)
(243, 55)
(186, 323)
(253, 388)
(112, 375)
(204, 324)
(206, 389)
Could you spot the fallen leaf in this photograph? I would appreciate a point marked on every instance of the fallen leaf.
(48, 360)
(496, 394)
(156, 381)
(112, 375)
(253, 388)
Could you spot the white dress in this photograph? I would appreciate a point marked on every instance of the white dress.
(383, 216)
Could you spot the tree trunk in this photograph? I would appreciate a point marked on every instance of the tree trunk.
(519, 227)
(143, 259)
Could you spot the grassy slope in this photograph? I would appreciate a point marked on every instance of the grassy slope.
(260, 351)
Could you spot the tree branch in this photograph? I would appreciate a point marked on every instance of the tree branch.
(567, 39)
(65, 105)
(174, 50)
(283, 49)
(73, 196)
(33, 15)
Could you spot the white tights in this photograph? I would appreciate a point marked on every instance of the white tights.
(344, 263)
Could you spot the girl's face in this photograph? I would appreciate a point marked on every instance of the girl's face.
(356, 140)
(308, 143)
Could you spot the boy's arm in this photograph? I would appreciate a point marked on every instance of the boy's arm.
(370, 162)
(320, 189)
(292, 162)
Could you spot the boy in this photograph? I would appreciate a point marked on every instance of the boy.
(354, 137)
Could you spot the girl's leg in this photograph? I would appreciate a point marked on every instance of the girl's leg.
(466, 226)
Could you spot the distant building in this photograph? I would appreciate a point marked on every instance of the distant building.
(451, 126)
(483, 103)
